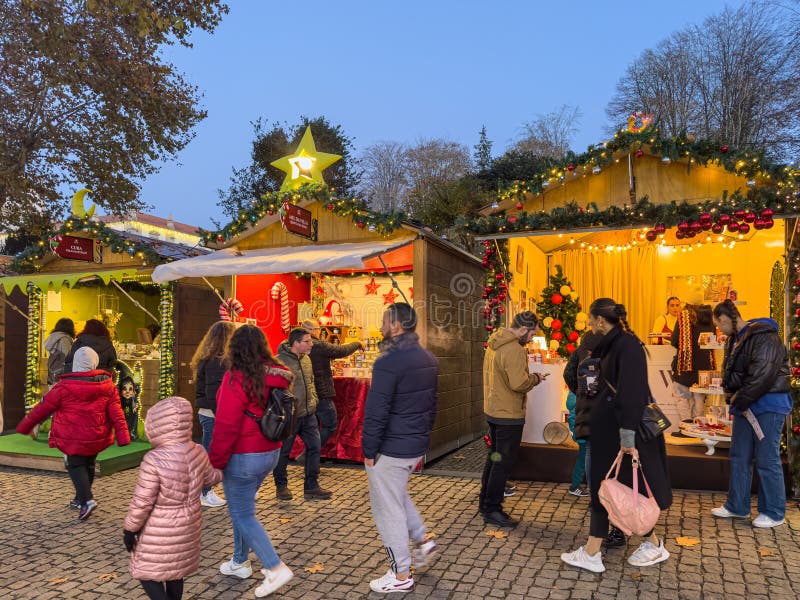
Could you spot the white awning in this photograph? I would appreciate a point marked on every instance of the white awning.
(287, 259)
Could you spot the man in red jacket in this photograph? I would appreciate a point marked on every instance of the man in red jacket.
(85, 406)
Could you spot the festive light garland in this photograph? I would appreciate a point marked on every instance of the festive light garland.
(793, 436)
(26, 261)
(33, 389)
(166, 372)
(495, 292)
(271, 203)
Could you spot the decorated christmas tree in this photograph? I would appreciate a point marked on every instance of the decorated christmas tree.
(561, 318)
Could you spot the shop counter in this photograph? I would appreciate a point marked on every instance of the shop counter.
(345, 443)
(659, 376)
(546, 401)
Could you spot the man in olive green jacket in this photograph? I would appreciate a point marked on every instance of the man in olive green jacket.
(506, 381)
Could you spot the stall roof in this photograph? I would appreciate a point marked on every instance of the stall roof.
(262, 261)
(44, 280)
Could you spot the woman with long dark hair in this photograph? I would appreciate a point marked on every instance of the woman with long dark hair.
(756, 377)
(208, 366)
(240, 449)
(96, 336)
(616, 413)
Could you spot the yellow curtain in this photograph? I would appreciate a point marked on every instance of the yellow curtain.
(625, 275)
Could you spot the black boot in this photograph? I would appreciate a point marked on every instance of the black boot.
(614, 539)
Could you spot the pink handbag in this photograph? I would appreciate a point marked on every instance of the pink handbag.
(630, 511)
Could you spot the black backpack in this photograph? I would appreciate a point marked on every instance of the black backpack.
(589, 377)
(277, 421)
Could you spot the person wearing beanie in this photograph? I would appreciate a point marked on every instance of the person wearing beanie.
(506, 382)
(86, 413)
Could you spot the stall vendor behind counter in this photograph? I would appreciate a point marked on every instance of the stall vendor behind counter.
(664, 324)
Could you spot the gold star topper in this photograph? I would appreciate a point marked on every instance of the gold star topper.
(305, 165)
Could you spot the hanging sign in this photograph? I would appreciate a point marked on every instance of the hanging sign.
(76, 248)
(297, 220)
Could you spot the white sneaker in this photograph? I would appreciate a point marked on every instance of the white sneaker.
(424, 553)
(389, 583)
(648, 554)
(212, 500)
(724, 513)
(765, 522)
(273, 580)
(580, 559)
(240, 570)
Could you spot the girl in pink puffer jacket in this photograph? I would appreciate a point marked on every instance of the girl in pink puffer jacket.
(164, 522)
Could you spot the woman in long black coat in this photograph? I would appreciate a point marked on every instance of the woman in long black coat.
(616, 414)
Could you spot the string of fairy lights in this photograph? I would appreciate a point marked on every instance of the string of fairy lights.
(33, 390)
(166, 371)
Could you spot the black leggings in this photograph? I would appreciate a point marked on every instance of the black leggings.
(81, 472)
(163, 590)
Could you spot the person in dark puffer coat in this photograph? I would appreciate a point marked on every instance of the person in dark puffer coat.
(165, 520)
(87, 412)
(96, 336)
(756, 375)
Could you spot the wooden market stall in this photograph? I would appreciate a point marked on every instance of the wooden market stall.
(639, 220)
(321, 263)
(87, 271)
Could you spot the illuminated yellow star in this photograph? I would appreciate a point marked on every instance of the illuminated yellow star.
(305, 165)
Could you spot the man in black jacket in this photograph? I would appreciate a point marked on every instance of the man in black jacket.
(398, 417)
(321, 355)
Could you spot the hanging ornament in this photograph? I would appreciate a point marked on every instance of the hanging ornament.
(230, 309)
(724, 149)
(371, 288)
(639, 154)
(769, 223)
(659, 229)
(499, 277)
(767, 213)
(683, 227)
(512, 218)
(739, 214)
(565, 290)
(724, 219)
(556, 299)
(570, 348)
(330, 207)
(717, 228)
(570, 167)
(744, 228)
(556, 324)
(750, 217)
(557, 335)
(390, 298)
(733, 227)
(519, 205)
(651, 236)
(547, 322)
(573, 336)
(280, 292)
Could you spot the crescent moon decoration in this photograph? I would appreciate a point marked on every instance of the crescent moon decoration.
(78, 206)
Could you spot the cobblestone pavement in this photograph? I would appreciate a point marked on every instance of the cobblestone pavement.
(46, 553)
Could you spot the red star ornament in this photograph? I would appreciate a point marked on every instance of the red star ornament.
(372, 287)
(390, 297)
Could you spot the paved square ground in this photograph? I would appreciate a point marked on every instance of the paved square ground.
(45, 552)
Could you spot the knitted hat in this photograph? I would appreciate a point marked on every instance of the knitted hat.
(525, 319)
(85, 359)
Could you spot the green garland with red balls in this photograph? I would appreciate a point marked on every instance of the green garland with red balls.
(495, 291)
(793, 326)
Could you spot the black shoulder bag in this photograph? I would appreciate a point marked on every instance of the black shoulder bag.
(654, 422)
(277, 421)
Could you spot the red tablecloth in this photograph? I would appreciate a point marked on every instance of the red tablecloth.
(351, 395)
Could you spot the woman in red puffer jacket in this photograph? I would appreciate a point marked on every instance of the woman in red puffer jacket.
(86, 412)
(246, 456)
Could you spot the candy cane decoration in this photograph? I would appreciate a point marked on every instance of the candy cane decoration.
(230, 309)
(279, 291)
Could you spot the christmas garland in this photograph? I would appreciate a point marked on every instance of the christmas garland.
(272, 203)
(495, 292)
(33, 391)
(26, 261)
(793, 436)
(166, 372)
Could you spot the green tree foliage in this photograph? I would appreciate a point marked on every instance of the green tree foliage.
(557, 311)
(514, 165)
(87, 99)
(482, 156)
(274, 140)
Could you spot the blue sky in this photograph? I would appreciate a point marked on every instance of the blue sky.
(402, 71)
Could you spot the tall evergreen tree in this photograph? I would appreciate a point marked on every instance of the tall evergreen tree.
(483, 152)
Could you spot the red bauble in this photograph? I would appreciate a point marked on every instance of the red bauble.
(556, 298)
(556, 325)
(503, 287)
(573, 336)
(570, 168)
(724, 149)
(570, 348)
(695, 227)
(519, 205)
(733, 227)
(758, 224)
(557, 336)
(485, 345)
(767, 213)
(487, 243)
(796, 346)
(750, 217)
(797, 312)
(499, 277)
(724, 219)
(639, 154)
(361, 224)
(651, 236)
(796, 371)
(220, 238)
(717, 228)
(512, 219)
(489, 328)
(501, 296)
(683, 227)
(769, 223)
(488, 289)
(705, 217)
(330, 207)
(744, 228)
(501, 310)
(270, 212)
(486, 439)
(739, 214)
(485, 263)
(659, 229)
(484, 295)
(796, 429)
(680, 235)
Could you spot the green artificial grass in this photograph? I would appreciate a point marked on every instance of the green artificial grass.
(17, 443)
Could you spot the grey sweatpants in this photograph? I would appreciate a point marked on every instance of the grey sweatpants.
(396, 517)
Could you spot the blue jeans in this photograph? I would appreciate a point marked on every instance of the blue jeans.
(328, 419)
(243, 477)
(308, 429)
(767, 454)
(207, 423)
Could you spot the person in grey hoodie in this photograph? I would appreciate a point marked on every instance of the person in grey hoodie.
(58, 344)
(294, 354)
